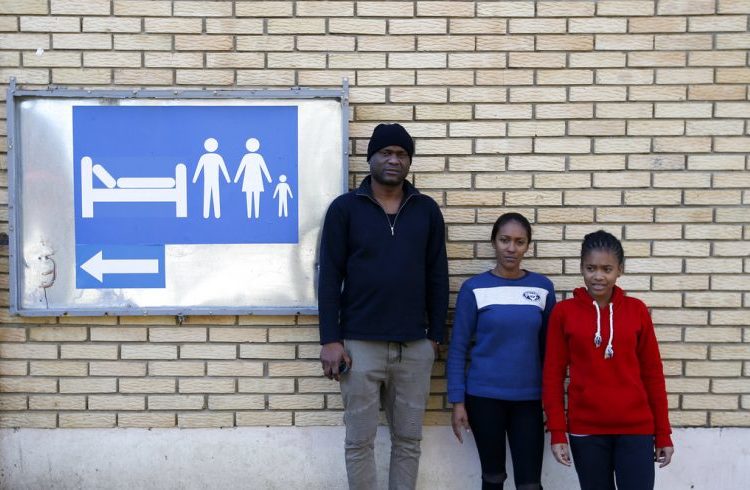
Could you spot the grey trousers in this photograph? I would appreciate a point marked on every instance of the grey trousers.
(398, 376)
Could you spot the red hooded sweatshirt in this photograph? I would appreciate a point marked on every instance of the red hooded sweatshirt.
(621, 394)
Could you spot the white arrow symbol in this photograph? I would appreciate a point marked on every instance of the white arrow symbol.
(97, 266)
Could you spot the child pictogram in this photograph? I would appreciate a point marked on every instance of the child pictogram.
(283, 191)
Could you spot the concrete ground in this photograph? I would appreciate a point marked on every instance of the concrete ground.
(304, 457)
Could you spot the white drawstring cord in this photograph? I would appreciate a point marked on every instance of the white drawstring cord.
(598, 334)
(609, 351)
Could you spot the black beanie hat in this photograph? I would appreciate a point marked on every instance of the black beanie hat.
(389, 134)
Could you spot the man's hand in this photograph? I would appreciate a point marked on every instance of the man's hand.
(460, 421)
(560, 451)
(331, 355)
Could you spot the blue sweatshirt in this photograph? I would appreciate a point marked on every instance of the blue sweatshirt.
(382, 278)
(508, 320)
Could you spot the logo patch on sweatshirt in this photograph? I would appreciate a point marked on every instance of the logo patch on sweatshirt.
(532, 296)
(511, 295)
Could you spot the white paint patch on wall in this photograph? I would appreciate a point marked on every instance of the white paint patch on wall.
(303, 457)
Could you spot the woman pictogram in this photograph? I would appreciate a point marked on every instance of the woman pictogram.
(252, 165)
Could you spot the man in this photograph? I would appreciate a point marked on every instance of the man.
(385, 242)
(210, 163)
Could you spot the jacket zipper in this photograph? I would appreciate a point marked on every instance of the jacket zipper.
(391, 226)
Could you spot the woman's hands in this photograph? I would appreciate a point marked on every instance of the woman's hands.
(561, 453)
(663, 455)
(460, 421)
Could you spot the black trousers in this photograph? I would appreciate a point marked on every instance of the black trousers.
(600, 460)
(490, 420)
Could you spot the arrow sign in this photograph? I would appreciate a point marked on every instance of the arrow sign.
(97, 266)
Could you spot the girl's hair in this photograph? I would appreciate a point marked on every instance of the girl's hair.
(505, 218)
(601, 240)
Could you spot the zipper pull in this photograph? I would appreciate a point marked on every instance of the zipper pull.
(392, 232)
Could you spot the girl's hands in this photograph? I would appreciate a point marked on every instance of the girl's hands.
(663, 455)
(561, 453)
(460, 421)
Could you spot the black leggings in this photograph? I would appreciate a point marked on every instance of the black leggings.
(490, 420)
(602, 459)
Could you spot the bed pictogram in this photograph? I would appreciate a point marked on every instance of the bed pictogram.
(131, 189)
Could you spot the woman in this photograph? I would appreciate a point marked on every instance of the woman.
(617, 402)
(252, 165)
(505, 312)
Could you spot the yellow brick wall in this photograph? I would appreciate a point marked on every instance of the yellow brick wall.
(630, 116)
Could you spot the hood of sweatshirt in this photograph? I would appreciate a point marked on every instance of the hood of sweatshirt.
(581, 295)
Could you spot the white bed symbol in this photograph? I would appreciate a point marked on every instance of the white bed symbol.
(132, 189)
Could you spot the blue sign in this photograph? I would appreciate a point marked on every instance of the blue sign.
(149, 176)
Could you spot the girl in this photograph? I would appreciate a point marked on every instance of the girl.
(505, 310)
(617, 403)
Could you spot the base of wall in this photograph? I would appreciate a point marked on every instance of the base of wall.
(303, 457)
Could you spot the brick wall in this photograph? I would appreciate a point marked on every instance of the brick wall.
(626, 115)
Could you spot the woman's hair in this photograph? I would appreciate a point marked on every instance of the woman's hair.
(601, 240)
(507, 217)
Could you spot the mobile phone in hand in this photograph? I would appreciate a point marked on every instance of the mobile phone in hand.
(343, 367)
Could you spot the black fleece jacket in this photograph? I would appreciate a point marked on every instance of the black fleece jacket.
(395, 278)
